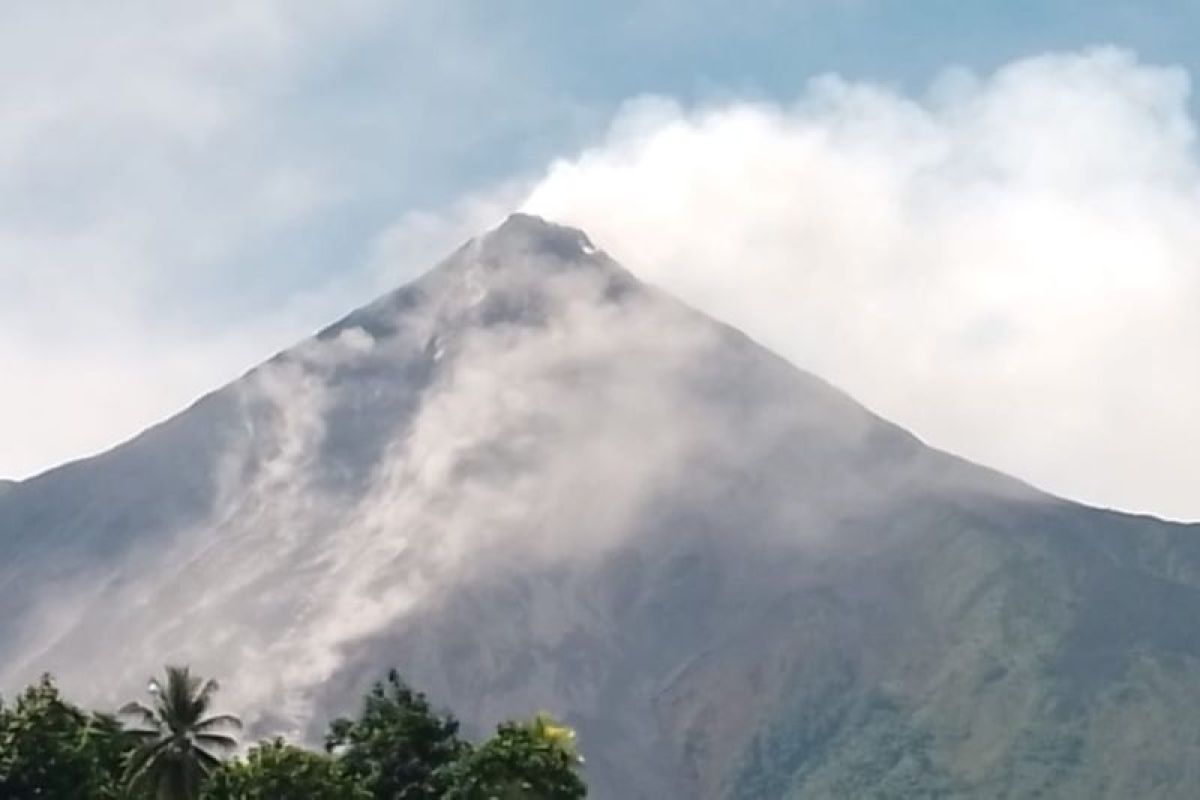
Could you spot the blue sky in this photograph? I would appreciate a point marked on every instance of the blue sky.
(186, 188)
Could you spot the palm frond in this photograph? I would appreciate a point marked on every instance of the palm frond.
(144, 757)
(203, 699)
(177, 744)
(206, 760)
(177, 704)
(218, 740)
(218, 721)
(144, 715)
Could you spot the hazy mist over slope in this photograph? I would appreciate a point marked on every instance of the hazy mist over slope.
(530, 480)
(521, 404)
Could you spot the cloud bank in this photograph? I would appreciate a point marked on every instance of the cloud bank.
(1009, 265)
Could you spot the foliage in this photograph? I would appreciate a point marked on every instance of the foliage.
(279, 771)
(536, 760)
(178, 742)
(50, 748)
(398, 747)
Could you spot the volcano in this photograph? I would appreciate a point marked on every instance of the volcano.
(530, 481)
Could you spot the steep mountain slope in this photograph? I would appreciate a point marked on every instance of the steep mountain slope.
(530, 481)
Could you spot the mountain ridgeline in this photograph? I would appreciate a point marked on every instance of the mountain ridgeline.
(532, 481)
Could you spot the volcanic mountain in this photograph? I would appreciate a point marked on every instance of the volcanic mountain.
(530, 481)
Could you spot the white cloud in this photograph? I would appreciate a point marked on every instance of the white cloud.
(1009, 265)
(138, 164)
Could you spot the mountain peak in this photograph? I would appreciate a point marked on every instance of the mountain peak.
(532, 245)
(505, 273)
(521, 272)
(528, 234)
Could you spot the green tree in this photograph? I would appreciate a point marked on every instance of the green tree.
(278, 771)
(398, 747)
(51, 748)
(178, 742)
(535, 760)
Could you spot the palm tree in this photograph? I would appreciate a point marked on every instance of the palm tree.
(178, 744)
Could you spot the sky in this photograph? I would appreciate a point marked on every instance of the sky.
(977, 218)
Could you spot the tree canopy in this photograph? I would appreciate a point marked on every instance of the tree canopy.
(276, 770)
(535, 759)
(179, 742)
(398, 747)
(51, 748)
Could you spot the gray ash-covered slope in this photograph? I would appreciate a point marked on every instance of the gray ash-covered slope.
(532, 482)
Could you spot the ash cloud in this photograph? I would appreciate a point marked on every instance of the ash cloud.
(1007, 265)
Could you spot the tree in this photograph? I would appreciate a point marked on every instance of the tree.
(278, 771)
(51, 748)
(178, 743)
(535, 760)
(398, 747)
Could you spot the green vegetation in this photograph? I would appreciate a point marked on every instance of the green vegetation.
(280, 771)
(532, 759)
(397, 748)
(52, 749)
(178, 744)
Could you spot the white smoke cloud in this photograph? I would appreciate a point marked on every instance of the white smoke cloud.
(1008, 265)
